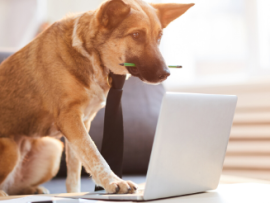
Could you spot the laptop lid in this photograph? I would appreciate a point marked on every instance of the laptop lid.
(190, 144)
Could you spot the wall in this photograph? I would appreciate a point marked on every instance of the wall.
(15, 19)
(20, 20)
(58, 9)
(219, 40)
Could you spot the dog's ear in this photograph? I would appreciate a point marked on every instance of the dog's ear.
(168, 12)
(112, 12)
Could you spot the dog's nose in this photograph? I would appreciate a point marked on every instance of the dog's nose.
(166, 73)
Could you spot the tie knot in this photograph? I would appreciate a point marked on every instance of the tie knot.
(117, 81)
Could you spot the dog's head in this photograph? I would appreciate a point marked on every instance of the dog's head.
(130, 31)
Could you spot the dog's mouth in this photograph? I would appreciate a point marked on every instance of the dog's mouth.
(148, 76)
(133, 71)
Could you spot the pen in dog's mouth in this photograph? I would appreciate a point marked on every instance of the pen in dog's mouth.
(133, 65)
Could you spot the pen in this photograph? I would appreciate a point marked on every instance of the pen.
(127, 64)
(175, 66)
(133, 65)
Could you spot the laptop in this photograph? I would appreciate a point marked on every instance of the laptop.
(189, 147)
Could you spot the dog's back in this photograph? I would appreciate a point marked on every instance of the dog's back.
(31, 83)
(21, 99)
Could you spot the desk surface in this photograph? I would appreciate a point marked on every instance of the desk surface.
(230, 193)
(247, 190)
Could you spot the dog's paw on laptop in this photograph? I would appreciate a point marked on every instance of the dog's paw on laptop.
(121, 187)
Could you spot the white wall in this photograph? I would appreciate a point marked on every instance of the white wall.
(219, 41)
(20, 19)
(57, 9)
(15, 18)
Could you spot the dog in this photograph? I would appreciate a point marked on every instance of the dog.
(56, 84)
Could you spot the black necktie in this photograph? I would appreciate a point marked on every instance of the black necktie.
(113, 135)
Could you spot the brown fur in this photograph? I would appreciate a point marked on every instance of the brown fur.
(55, 85)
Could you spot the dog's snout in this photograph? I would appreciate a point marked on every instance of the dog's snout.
(163, 76)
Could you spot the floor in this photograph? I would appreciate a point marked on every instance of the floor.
(87, 185)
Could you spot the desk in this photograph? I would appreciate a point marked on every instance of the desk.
(247, 191)
(230, 193)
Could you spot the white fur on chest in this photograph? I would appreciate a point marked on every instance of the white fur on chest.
(97, 100)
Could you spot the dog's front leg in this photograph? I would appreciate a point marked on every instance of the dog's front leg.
(74, 166)
(71, 125)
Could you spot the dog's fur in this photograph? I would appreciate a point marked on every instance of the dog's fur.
(55, 85)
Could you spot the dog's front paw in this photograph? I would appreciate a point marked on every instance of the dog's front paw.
(120, 187)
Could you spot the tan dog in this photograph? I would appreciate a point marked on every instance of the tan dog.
(55, 85)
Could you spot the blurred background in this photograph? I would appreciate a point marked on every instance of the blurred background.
(223, 46)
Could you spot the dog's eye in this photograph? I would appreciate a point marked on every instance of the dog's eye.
(136, 35)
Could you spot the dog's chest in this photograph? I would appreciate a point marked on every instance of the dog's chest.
(97, 100)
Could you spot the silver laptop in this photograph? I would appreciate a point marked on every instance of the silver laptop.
(189, 147)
